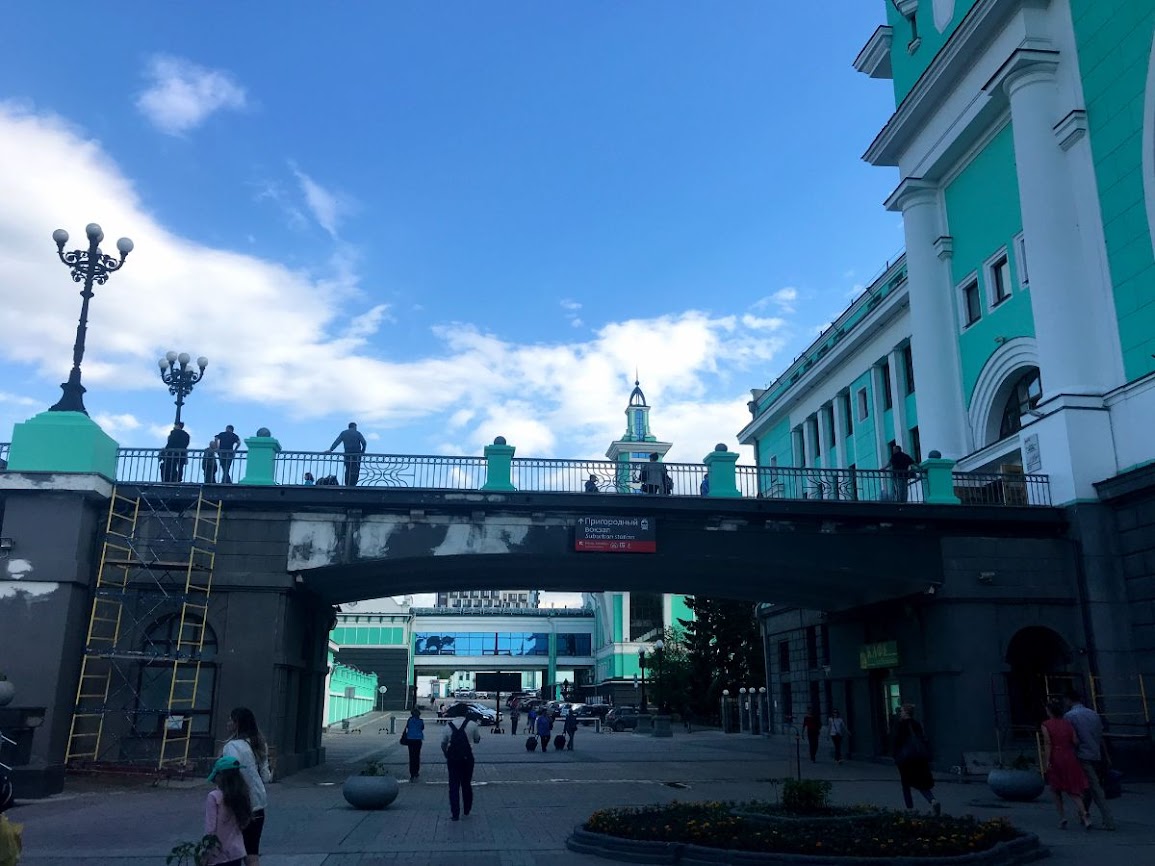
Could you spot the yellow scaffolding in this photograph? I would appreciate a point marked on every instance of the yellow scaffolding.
(152, 558)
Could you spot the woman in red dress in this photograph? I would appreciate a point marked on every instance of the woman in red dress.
(1061, 765)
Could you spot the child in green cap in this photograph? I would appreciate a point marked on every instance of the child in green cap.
(227, 812)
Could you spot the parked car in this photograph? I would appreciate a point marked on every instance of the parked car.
(483, 716)
(622, 719)
(592, 711)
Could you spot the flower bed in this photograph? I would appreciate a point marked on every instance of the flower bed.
(712, 832)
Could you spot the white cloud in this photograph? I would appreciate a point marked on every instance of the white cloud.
(113, 424)
(783, 299)
(577, 323)
(327, 207)
(571, 306)
(181, 95)
(549, 399)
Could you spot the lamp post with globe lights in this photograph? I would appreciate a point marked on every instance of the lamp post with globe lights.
(642, 708)
(180, 378)
(660, 683)
(89, 267)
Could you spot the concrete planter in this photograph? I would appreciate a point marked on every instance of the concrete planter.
(7, 692)
(370, 792)
(1018, 786)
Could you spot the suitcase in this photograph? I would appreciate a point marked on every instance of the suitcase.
(559, 742)
(531, 744)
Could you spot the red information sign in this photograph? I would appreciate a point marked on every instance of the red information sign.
(615, 535)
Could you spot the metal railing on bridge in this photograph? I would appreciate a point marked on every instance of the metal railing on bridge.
(547, 475)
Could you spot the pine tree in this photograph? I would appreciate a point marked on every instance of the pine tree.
(724, 645)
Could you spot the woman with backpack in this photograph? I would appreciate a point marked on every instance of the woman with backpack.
(455, 743)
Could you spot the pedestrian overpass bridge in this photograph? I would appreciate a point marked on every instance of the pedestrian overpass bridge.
(281, 554)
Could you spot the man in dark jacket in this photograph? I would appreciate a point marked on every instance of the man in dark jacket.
(175, 455)
(900, 463)
(570, 728)
(227, 444)
(354, 445)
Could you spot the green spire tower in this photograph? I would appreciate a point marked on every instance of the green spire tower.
(638, 443)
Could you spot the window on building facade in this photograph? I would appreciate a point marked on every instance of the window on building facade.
(811, 647)
(828, 418)
(824, 634)
(972, 303)
(784, 656)
(1024, 397)
(787, 702)
(155, 678)
(816, 443)
(915, 445)
(863, 405)
(1021, 261)
(908, 368)
(999, 278)
(887, 396)
(847, 413)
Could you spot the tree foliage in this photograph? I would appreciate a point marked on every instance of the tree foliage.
(723, 645)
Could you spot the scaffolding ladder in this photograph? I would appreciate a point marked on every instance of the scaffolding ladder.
(153, 560)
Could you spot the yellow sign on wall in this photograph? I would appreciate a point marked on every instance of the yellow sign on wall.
(878, 655)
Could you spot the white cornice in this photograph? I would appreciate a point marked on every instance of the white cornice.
(1071, 129)
(874, 58)
(944, 247)
(1036, 57)
(952, 62)
(912, 190)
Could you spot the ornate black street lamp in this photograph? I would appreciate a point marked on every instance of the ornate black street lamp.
(87, 266)
(180, 378)
(642, 708)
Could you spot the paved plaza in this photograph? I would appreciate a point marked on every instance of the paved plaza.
(526, 803)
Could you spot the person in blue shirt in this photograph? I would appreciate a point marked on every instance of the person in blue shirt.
(414, 736)
(544, 727)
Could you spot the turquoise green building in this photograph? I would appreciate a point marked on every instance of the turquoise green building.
(348, 692)
(1014, 337)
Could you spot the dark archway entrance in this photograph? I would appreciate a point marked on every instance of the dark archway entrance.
(1039, 660)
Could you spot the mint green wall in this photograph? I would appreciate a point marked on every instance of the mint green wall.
(910, 409)
(619, 626)
(888, 424)
(365, 691)
(908, 67)
(982, 206)
(778, 442)
(368, 635)
(1114, 41)
(865, 448)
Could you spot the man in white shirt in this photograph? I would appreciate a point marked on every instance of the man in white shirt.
(457, 743)
(1089, 729)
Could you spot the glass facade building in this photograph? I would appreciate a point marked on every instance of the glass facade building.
(498, 644)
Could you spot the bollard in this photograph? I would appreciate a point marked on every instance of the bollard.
(597, 725)
(392, 724)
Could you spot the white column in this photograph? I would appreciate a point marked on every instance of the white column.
(877, 408)
(798, 434)
(897, 397)
(1072, 332)
(824, 444)
(942, 421)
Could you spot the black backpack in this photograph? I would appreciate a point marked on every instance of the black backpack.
(458, 748)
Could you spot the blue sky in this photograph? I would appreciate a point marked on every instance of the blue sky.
(445, 221)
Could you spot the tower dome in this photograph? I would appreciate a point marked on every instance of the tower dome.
(637, 398)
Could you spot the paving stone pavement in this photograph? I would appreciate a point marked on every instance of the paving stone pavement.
(526, 804)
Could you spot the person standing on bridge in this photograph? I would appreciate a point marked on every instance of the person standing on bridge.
(354, 445)
(654, 478)
(899, 466)
(175, 455)
(227, 444)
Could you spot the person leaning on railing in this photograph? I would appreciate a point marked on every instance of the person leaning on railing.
(354, 446)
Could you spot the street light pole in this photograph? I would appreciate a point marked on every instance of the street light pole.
(643, 709)
(88, 267)
(659, 651)
(181, 379)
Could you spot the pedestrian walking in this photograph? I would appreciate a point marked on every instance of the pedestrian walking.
(543, 729)
(455, 744)
(227, 444)
(209, 462)
(514, 716)
(353, 444)
(11, 835)
(912, 755)
(900, 474)
(812, 727)
(248, 747)
(570, 728)
(1091, 753)
(592, 484)
(412, 737)
(174, 455)
(688, 719)
(837, 729)
(227, 814)
(1061, 764)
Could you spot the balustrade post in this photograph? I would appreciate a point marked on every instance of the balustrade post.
(721, 465)
(498, 466)
(62, 442)
(261, 461)
(939, 474)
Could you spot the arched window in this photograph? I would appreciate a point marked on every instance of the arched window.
(943, 13)
(162, 645)
(1023, 397)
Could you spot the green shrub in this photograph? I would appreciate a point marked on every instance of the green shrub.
(805, 795)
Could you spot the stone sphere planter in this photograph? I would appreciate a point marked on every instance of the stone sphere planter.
(7, 692)
(1018, 786)
(370, 792)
